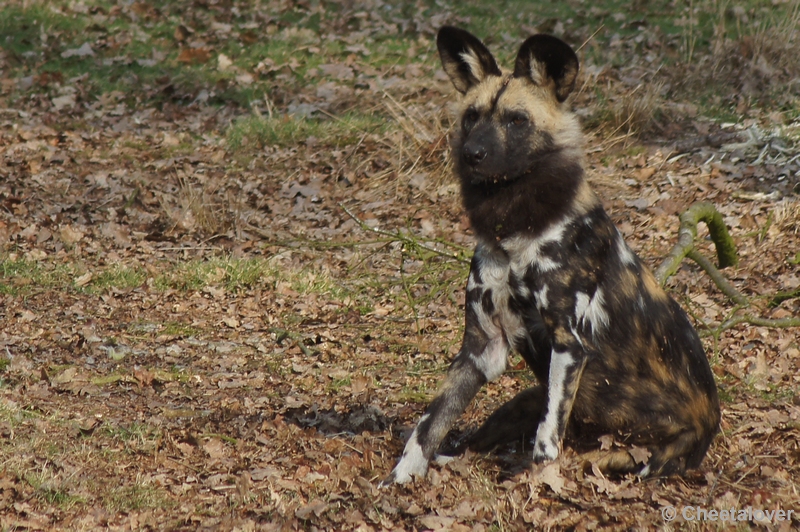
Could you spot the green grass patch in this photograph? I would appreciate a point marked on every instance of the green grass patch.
(286, 130)
(19, 276)
(119, 277)
(12, 414)
(773, 394)
(135, 438)
(52, 490)
(228, 273)
(237, 275)
(136, 496)
(412, 395)
(22, 275)
(179, 329)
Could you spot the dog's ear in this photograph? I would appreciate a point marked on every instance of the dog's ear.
(464, 58)
(548, 61)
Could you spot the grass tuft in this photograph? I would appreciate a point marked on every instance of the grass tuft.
(256, 131)
(136, 496)
(204, 208)
(119, 277)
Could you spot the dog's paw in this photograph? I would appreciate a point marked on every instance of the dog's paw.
(390, 479)
(413, 463)
(401, 475)
(544, 451)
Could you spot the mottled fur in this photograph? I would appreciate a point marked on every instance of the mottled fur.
(553, 279)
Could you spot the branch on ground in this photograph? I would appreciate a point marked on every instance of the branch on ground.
(410, 240)
(727, 256)
(283, 334)
(699, 212)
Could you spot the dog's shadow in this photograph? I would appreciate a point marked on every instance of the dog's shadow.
(510, 458)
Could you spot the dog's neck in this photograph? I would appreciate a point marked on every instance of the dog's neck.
(530, 204)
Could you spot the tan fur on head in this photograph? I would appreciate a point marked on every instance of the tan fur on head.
(548, 113)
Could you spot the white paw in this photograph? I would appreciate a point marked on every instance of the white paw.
(544, 451)
(413, 463)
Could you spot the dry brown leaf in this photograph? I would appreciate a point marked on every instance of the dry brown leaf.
(437, 523)
(640, 455)
(215, 448)
(70, 235)
(316, 507)
(551, 475)
(84, 279)
(194, 55)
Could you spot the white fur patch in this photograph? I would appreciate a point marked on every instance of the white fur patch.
(596, 312)
(625, 254)
(546, 264)
(485, 321)
(494, 359)
(591, 311)
(495, 273)
(581, 304)
(526, 251)
(541, 298)
(413, 461)
(547, 435)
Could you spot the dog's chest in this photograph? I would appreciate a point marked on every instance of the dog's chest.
(558, 276)
(535, 266)
(514, 279)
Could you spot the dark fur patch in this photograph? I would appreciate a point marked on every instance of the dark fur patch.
(528, 204)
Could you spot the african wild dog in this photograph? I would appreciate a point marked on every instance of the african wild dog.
(552, 278)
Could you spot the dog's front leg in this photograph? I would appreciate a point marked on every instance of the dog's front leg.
(566, 367)
(483, 357)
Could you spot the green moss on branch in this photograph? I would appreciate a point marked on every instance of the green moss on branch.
(699, 212)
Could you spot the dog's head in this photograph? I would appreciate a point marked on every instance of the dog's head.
(509, 122)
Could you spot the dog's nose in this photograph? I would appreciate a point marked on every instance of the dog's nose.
(473, 154)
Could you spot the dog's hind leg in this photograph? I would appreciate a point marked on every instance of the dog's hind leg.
(516, 420)
(684, 451)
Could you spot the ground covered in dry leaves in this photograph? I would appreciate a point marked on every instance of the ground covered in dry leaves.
(204, 328)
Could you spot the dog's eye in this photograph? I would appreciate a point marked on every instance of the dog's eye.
(518, 119)
(470, 117)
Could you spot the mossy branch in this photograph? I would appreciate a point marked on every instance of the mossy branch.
(699, 212)
(726, 255)
(722, 283)
(760, 322)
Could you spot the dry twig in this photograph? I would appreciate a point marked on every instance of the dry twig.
(409, 240)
